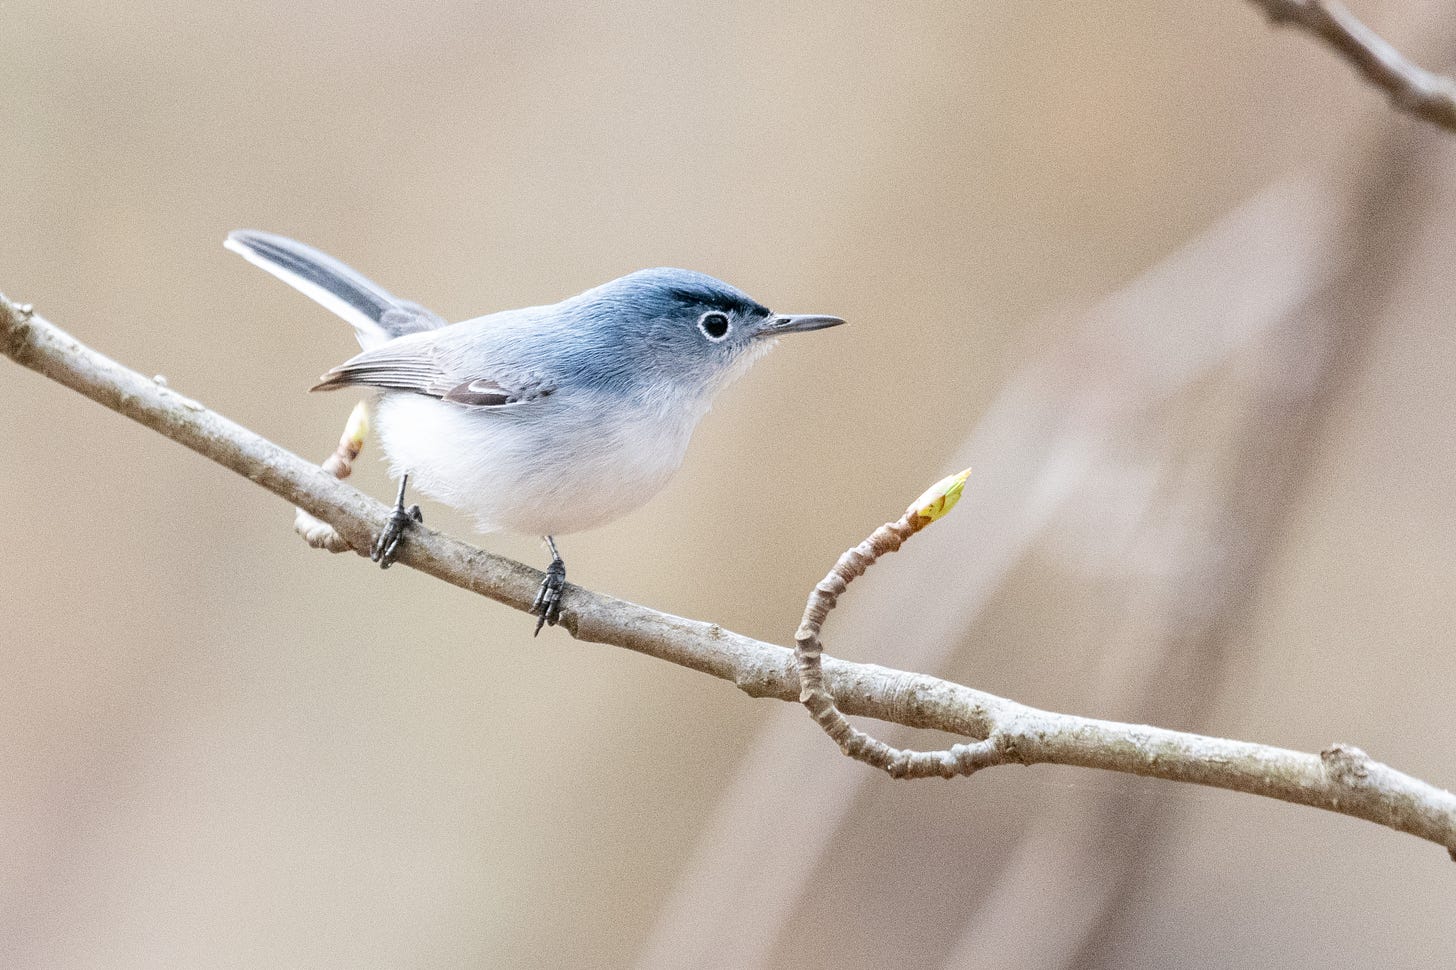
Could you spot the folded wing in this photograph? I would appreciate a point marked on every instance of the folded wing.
(417, 367)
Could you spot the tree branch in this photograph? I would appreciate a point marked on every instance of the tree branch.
(1414, 90)
(1341, 779)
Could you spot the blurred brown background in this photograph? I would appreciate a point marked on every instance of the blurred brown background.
(1176, 284)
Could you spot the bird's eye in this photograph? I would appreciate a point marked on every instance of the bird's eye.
(714, 326)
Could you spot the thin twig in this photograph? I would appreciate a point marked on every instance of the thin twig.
(958, 759)
(1342, 779)
(1414, 90)
(315, 531)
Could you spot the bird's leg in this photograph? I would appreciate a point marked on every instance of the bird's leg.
(547, 605)
(387, 544)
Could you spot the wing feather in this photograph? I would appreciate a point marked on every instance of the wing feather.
(405, 365)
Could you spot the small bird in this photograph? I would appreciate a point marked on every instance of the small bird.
(544, 420)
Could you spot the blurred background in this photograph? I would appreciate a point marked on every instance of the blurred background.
(1176, 284)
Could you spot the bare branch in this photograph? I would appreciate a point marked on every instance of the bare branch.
(1412, 89)
(1342, 779)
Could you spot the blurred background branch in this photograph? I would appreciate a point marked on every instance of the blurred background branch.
(1412, 89)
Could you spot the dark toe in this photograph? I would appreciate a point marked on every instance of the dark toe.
(547, 604)
(387, 544)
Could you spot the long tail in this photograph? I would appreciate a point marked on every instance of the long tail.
(376, 316)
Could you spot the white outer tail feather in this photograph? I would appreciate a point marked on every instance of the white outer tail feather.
(367, 329)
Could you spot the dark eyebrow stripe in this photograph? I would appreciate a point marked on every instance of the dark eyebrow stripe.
(718, 301)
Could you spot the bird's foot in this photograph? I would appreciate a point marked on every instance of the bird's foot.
(387, 544)
(547, 605)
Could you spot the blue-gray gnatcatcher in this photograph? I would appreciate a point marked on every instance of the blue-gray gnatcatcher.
(543, 420)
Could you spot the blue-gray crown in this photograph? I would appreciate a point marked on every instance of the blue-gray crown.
(665, 289)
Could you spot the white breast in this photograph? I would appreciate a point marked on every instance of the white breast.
(550, 467)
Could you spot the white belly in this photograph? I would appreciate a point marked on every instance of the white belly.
(548, 467)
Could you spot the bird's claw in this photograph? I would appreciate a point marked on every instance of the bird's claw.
(387, 544)
(547, 605)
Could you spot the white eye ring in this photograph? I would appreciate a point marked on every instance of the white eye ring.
(715, 326)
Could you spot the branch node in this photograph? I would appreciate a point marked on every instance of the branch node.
(14, 318)
(1346, 765)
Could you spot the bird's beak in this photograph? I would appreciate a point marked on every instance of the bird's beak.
(785, 323)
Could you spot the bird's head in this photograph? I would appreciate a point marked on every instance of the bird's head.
(680, 328)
